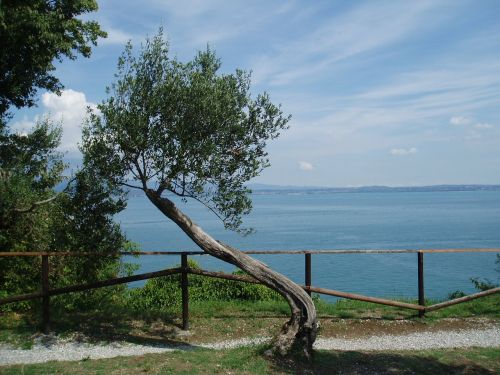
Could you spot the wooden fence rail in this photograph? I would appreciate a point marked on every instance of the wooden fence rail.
(46, 292)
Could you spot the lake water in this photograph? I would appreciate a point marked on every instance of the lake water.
(323, 221)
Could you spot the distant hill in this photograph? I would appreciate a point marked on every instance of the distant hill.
(290, 189)
(265, 188)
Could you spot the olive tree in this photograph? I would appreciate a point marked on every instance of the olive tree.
(185, 129)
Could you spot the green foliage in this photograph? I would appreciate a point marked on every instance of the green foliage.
(34, 217)
(84, 223)
(30, 167)
(101, 269)
(486, 284)
(482, 284)
(33, 34)
(164, 292)
(456, 294)
(183, 128)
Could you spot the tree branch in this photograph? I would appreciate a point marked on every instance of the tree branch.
(191, 195)
(45, 201)
(141, 175)
(133, 173)
(36, 204)
(162, 185)
(131, 186)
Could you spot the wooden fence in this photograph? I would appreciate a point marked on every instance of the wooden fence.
(46, 292)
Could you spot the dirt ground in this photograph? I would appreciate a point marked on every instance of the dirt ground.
(216, 329)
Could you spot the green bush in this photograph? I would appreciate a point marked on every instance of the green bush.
(482, 284)
(165, 292)
(78, 219)
(456, 294)
(486, 284)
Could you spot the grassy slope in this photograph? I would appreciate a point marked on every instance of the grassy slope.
(215, 321)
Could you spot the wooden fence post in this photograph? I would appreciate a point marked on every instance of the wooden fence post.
(185, 292)
(45, 297)
(421, 293)
(308, 273)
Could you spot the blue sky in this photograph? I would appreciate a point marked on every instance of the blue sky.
(380, 92)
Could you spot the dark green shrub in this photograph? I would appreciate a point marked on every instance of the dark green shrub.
(482, 284)
(456, 294)
(485, 284)
(164, 292)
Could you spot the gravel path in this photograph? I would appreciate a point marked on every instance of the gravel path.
(417, 341)
(55, 349)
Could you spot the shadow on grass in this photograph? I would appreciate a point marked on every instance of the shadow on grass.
(375, 363)
(109, 324)
(247, 316)
(118, 325)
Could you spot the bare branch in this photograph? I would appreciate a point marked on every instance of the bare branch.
(131, 186)
(131, 170)
(141, 175)
(191, 195)
(45, 201)
(144, 166)
(160, 171)
(36, 204)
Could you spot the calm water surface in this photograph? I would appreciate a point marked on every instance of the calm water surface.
(389, 220)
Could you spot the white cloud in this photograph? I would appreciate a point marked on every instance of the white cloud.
(198, 22)
(404, 151)
(483, 125)
(23, 126)
(466, 121)
(460, 120)
(116, 36)
(69, 109)
(305, 166)
(409, 107)
(473, 136)
(366, 28)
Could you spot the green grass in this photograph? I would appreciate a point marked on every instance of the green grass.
(17, 329)
(214, 320)
(486, 307)
(252, 361)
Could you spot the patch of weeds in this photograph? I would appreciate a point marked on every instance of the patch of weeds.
(26, 345)
(346, 314)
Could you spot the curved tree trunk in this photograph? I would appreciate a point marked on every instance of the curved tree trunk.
(300, 331)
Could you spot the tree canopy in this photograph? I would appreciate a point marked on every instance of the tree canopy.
(34, 33)
(183, 128)
(34, 214)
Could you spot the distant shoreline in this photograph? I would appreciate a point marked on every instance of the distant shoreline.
(262, 189)
(279, 189)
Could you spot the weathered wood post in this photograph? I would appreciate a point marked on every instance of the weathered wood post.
(421, 293)
(45, 297)
(308, 273)
(185, 292)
